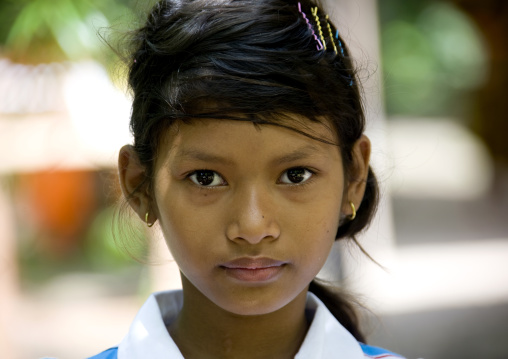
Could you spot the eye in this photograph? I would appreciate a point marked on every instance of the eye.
(296, 175)
(207, 178)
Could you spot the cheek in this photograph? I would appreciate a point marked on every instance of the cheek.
(185, 229)
(320, 239)
(188, 242)
(180, 227)
(322, 217)
(317, 234)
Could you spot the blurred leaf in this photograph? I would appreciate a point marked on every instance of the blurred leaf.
(105, 246)
(457, 45)
(26, 26)
(42, 26)
(432, 58)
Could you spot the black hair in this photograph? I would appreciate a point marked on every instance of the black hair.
(249, 60)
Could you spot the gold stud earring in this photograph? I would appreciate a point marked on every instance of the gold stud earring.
(353, 209)
(146, 220)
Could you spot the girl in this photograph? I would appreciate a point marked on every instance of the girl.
(249, 154)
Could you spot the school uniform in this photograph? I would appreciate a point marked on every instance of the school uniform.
(149, 338)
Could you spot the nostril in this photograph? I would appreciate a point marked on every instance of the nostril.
(252, 228)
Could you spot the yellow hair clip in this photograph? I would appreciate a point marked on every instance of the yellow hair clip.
(314, 12)
(331, 35)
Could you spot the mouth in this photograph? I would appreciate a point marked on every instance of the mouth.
(253, 269)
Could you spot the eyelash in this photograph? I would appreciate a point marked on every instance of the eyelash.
(206, 186)
(298, 184)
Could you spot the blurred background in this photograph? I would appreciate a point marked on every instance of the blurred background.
(436, 85)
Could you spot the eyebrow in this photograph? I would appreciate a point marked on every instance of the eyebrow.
(195, 154)
(296, 155)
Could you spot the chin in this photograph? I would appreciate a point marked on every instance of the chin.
(252, 308)
(252, 304)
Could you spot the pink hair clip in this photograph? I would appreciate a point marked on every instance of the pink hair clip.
(319, 45)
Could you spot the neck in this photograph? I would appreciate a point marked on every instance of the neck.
(204, 330)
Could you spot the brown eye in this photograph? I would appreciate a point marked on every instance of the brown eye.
(296, 175)
(207, 178)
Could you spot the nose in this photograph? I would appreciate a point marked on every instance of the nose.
(252, 216)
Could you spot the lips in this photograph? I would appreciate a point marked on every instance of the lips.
(253, 269)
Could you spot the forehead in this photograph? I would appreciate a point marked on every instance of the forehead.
(295, 125)
(207, 140)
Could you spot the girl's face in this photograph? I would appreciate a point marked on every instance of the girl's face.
(249, 213)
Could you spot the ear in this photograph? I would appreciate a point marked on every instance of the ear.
(358, 177)
(132, 181)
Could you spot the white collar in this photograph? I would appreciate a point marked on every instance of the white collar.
(149, 338)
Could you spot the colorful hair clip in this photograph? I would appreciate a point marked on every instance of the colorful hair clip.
(319, 45)
(318, 22)
(331, 35)
(342, 52)
(340, 43)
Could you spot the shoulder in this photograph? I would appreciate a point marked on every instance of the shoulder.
(378, 353)
(107, 354)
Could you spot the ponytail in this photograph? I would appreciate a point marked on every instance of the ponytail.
(340, 305)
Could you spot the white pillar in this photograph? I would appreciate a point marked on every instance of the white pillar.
(9, 287)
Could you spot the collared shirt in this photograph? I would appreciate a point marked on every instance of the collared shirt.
(149, 338)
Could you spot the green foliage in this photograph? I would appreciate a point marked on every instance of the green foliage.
(56, 30)
(433, 57)
(109, 246)
(105, 247)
